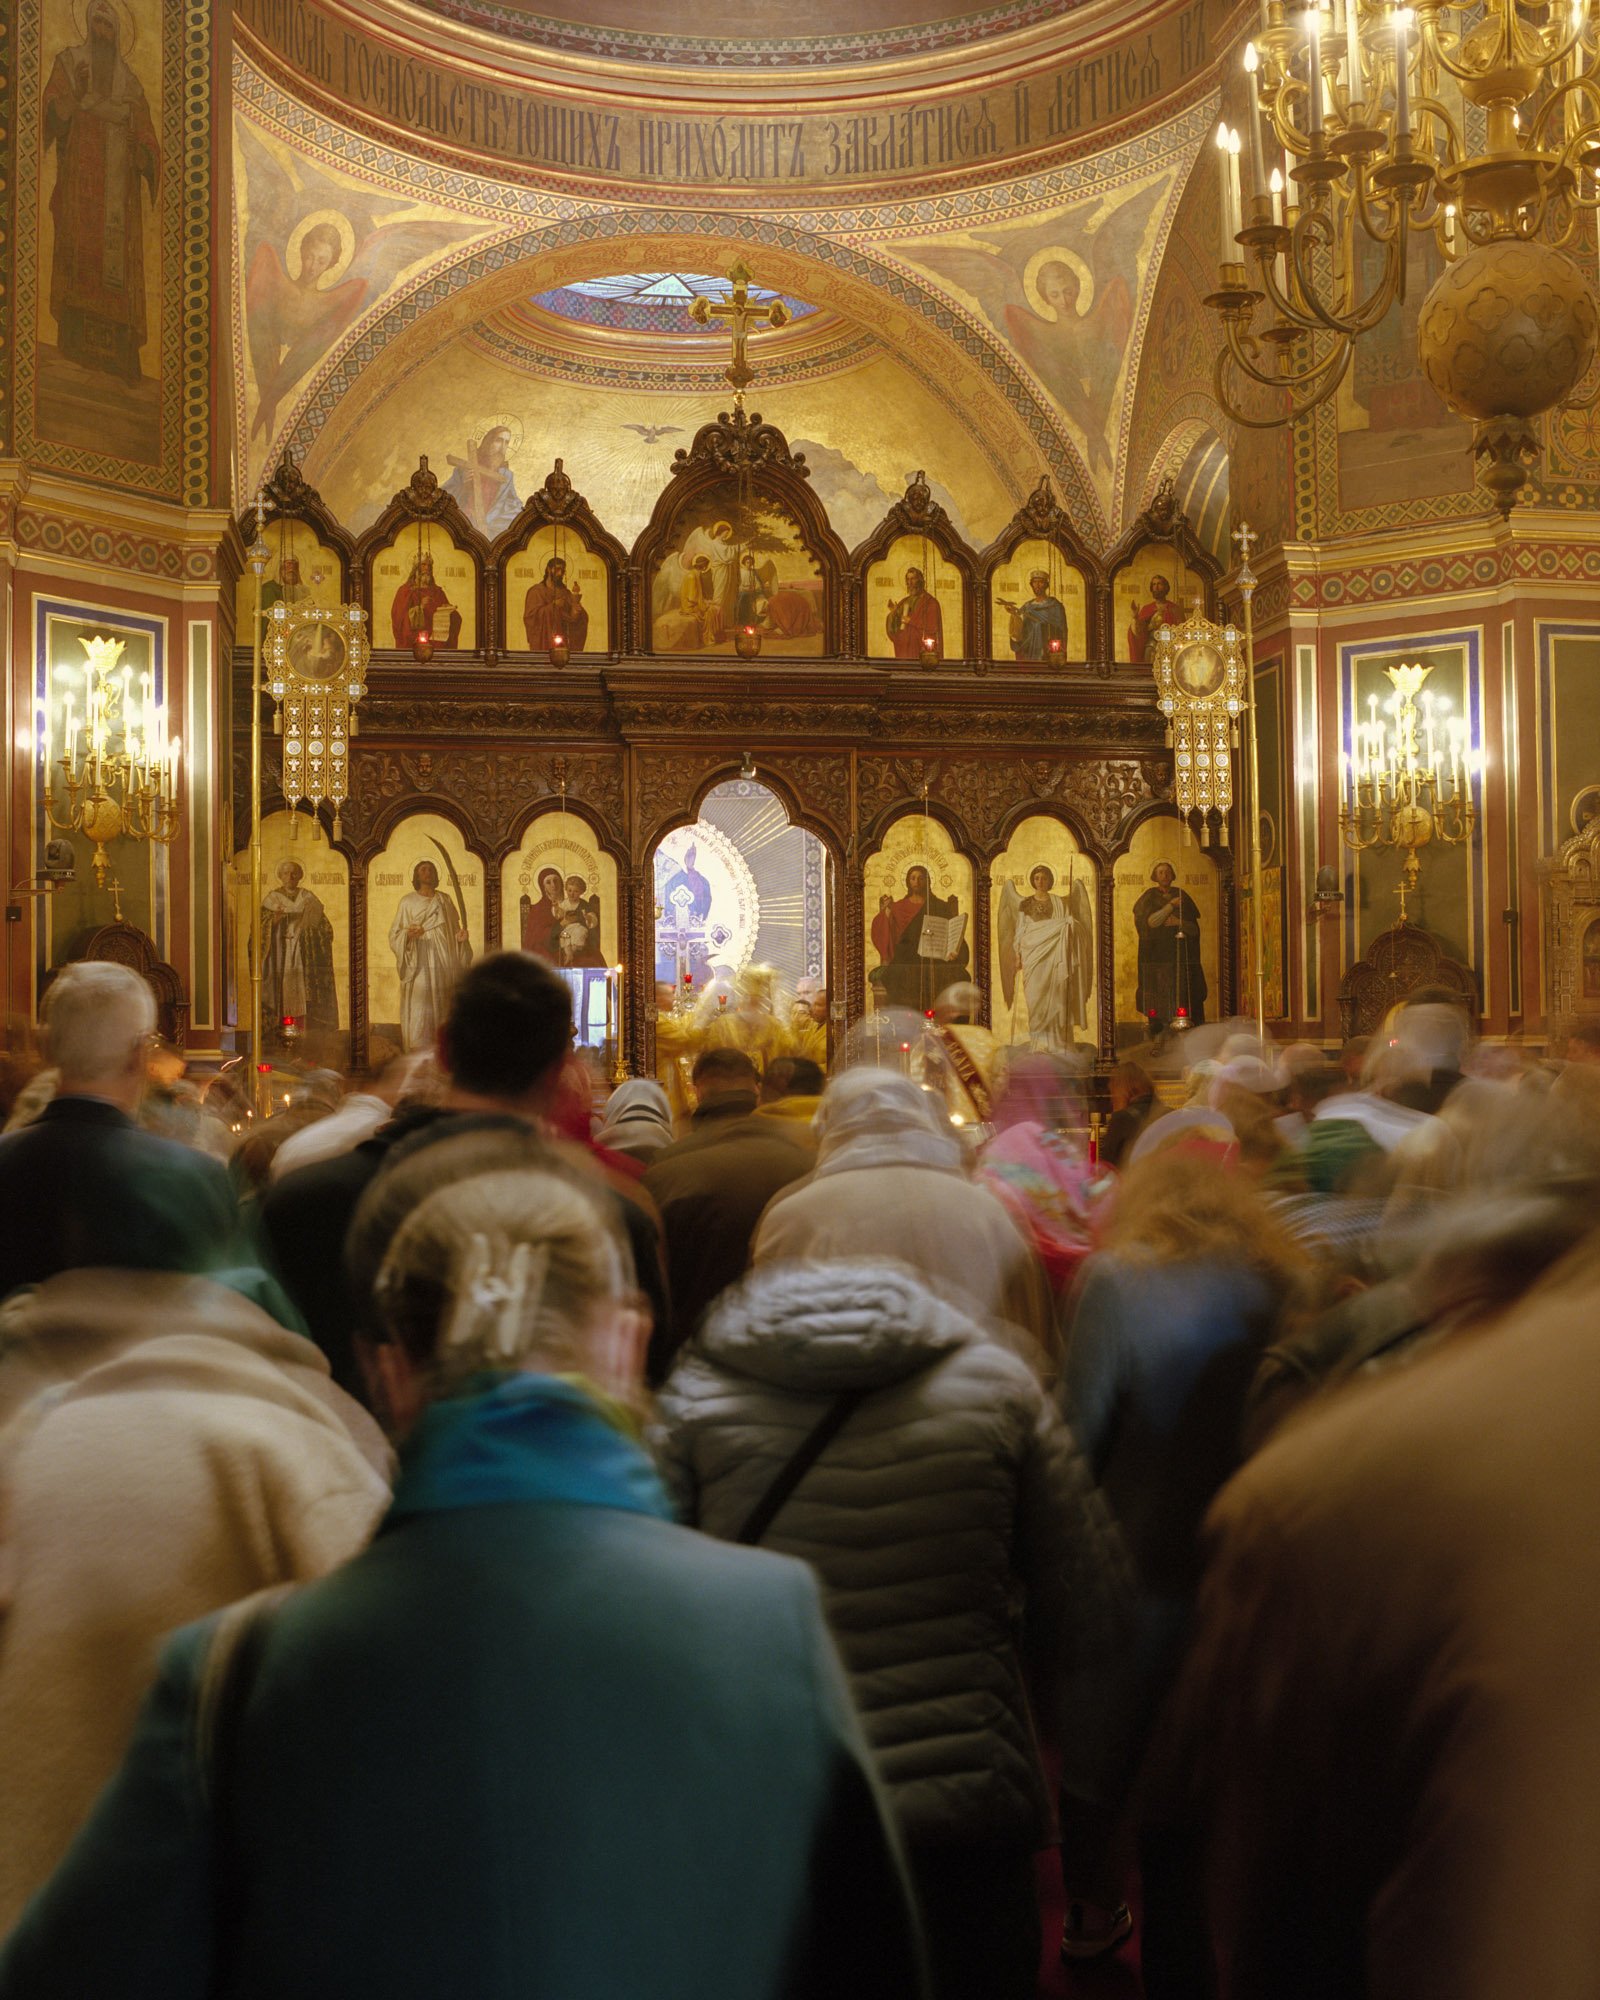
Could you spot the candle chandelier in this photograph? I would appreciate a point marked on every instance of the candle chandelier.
(1477, 124)
(121, 783)
(1408, 781)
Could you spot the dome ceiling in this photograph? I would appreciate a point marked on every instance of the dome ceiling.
(760, 36)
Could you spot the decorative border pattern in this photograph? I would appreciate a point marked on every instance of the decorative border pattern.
(703, 377)
(748, 52)
(111, 548)
(1513, 562)
(198, 129)
(164, 478)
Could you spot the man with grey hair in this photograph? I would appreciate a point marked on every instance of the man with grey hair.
(83, 1186)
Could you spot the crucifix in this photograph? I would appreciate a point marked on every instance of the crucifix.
(1247, 538)
(742, 317)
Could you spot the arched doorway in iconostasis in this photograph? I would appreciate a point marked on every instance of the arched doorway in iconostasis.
(742, 900)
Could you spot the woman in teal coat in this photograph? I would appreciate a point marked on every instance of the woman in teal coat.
(535, 1741)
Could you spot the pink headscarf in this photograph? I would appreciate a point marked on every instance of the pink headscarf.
(1041, 1172)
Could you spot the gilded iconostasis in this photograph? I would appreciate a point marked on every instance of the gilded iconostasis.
(436, 294)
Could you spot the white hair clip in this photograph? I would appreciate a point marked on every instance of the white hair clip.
(496, 1310)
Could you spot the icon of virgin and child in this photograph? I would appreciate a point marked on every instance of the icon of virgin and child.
(562, 923)
(920, 939)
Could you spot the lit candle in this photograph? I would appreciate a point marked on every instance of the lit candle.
(1225, 240)
(1237, 217)
(69, 727)
(1402, 72)
(1251, 64)
(1314, 68)
(609, 1014)
(1276, 185)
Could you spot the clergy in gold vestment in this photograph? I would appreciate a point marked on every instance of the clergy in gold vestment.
(753, 1025)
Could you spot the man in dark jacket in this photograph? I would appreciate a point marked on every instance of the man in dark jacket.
(83, 1185)
(711, 1188)
(502, 1046)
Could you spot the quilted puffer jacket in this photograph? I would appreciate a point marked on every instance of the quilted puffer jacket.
(952, 1499)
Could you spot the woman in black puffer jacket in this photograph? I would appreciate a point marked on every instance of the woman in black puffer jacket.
(951, 1499)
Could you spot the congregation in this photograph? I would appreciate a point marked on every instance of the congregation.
(458, 1537)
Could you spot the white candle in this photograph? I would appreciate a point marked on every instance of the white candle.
(1226, 251)
(1449, 225)
(1314, 70)
(1402, 72)
(1237, 206)
(1251, 64)
(1276, 185)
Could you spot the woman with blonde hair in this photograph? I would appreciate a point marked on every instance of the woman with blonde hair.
(1193, 1278)
(421, 1771)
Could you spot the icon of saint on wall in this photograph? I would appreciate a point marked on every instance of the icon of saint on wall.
(920, 939)
(97, 117)
(1037, 622)
(1046, 943)
(1172, 980)
(297, 983)
(915, 623)
(1158, 609)
(422, 605)
(429, 940)
(554, 608)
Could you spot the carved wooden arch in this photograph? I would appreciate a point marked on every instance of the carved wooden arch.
(1046, 808)
(917, 513)
(1397, 962)
(715, 768)
(123, 943)
(415, 805)
(1162, 521)
(608, 839)
(1042, 518)
(877, 832)
(290, 496)
(741, 446)
(424, 500)
(558, 504)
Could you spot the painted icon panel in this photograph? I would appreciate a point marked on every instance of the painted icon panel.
(918, 910)
(1168, 931)
(916, 603)
(1043, 988)
(424, 925)
(1038, 606)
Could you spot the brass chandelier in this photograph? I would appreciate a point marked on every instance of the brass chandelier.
(1479, 124)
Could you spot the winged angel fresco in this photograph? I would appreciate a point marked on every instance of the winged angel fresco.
(317, 252)
(1063, 293)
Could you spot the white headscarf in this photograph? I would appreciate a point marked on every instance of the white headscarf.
(874, 1118)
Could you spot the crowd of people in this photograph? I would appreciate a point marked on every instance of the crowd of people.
(461, 1537)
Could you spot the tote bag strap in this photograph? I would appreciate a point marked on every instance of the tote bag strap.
(794, 1469)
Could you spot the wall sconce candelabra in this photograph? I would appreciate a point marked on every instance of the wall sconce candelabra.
(1478, 124)
(1408, 781)
(121, 781)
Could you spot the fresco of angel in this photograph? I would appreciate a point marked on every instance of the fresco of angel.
(315, 256)
(1063, 294)
(1046, 942)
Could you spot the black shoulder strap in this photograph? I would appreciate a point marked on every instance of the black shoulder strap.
(807, 1452)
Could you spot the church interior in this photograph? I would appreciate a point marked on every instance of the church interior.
(802, 982)
(842, 413)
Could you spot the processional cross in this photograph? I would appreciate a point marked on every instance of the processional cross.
(742, 316)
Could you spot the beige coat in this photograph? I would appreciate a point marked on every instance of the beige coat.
(189, 1452)
(1392, 1709)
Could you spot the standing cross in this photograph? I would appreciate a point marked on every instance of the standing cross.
(741, 316)
(1246, 537)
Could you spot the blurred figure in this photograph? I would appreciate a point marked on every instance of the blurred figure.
(958, 1055)
(677, 1041)
(1192, 1283)
(808, 1022)
(752, 1025)
(1038, 1163)
(946, 1497)
(1390, 1712)
(637, 1121)
(711, 1187)
(1582, 1043)
(889, 1182)
(531, 1675)
(82, 1185)
(1133, 1101)
(791, 1090)
(502, 1047)
(358, 1114)
(170, 1448)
